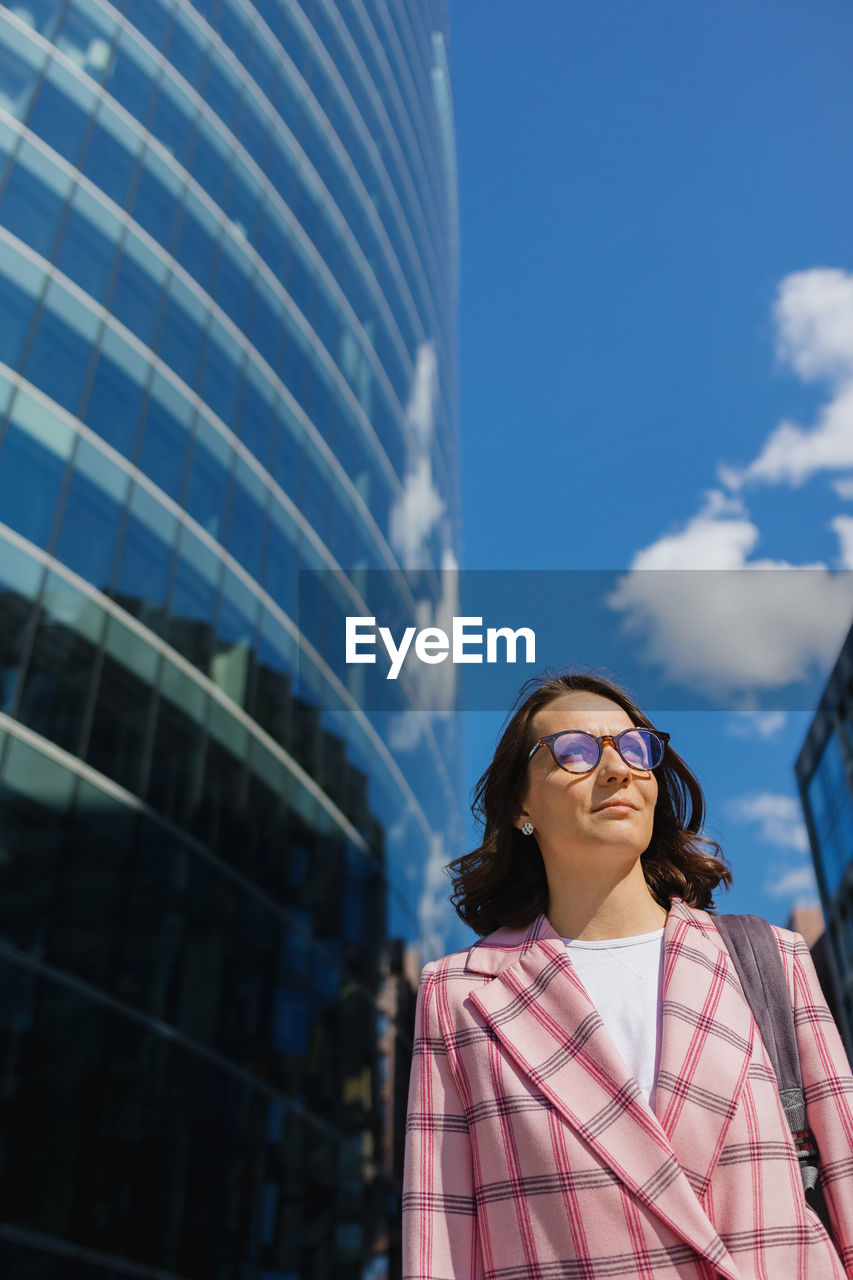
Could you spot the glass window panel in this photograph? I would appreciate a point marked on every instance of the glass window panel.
(124, 707)
(176, 763)
(90, 522)
(209, 469)
(89, 243)
(173, 121)
(244, 201)
(182, 331)
(112, 156)
(188, 49)
(85, 38)
(255, 132)
(138, 289)
(132, 78)
(41, 15)
(257, 416)
(22, 283)
(211, 160)
(221, 379)
(61, 350)
(20, 579)
(233, 278)
(20, 62)
(152, 18)
(194, 597)
(142, 581)
(197, 245)
(267, 323)
(289, 453)
(282, 561)
(62, 111)
(222, 93)
(246, 520)
(31, 773)
(58, 676)
(166, 436)
(116, 391)
(261, 62)
(34, 199)
(32, 464)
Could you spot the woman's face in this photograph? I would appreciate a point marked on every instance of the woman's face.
(580, 819)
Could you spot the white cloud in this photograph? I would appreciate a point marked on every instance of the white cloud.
(814, 321)
(415, 514)
(419, 506)
(798, 883)
(814, 327)
(844, 488)
(739, 629)
(843, 528)
(757, 724)
(778, 818)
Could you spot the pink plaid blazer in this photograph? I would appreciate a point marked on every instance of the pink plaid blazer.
(531, 1152)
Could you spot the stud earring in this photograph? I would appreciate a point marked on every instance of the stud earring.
(527, 828)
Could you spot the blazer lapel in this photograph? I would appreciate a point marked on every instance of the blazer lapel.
(537, 1007)
(706, 1043)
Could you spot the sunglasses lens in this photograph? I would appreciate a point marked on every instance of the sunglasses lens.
(577, 752)
(641, 749)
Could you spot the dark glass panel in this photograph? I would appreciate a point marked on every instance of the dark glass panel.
(211, 163)
(90, 886)
(56, 684)
(33, 848)
(222, 94)
(222, 815)
(149, 954)
(19, 582)
(193, 605)
(123, 712)
(152, 18)
(176, 764)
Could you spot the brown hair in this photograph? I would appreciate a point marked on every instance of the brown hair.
(502, 882)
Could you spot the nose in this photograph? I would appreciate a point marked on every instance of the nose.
(611, 765)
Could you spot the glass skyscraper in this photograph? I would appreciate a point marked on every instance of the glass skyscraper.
(825, 778)
(227, 327)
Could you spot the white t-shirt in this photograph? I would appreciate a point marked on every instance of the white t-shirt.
(622, 977)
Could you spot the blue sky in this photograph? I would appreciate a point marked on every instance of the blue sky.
(656, 332)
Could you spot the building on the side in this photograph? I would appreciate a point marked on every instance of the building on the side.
(824, 772)
(227, 355)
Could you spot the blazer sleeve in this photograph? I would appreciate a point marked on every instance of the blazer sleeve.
(828, 1088)
(440, 1236)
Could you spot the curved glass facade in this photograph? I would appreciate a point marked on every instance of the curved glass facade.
(227, 280)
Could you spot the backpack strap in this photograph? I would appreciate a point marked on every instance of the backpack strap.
(752, 946)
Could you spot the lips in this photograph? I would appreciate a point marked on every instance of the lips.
(623, 806)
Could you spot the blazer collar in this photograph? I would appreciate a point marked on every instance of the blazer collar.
(537, 1007)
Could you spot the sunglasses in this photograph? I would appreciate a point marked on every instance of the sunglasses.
(579, 752)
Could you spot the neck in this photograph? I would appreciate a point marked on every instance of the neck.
(620, 907)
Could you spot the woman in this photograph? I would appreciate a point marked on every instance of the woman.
(589, 1094)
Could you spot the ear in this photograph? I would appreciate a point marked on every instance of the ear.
(520, 818)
